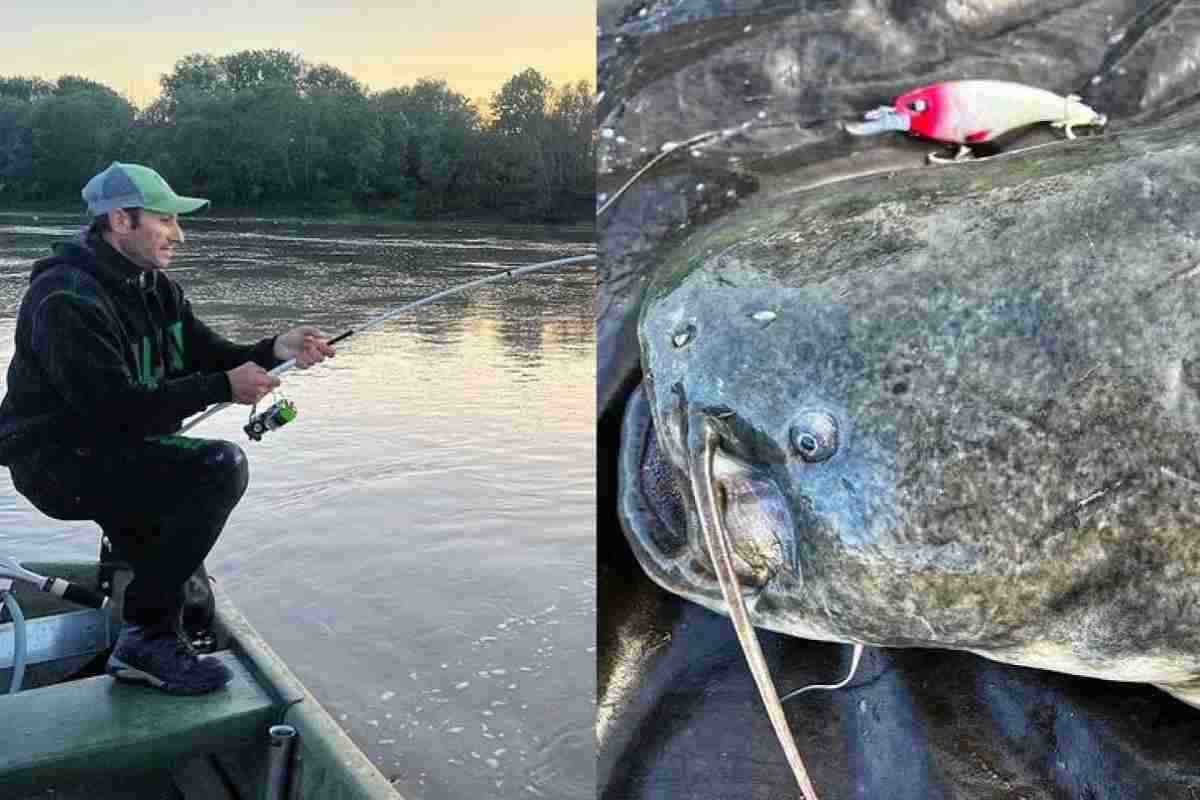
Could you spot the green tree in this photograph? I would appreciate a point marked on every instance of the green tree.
(439, 131)
(26, 89)
(573, 129)
(227, 125)
(76, 132)
(185, 133)
(254, 69)
(522, 174)
(340, 146)
(72, 84)
(193, 150)
(330, 80)
(194, 76)
(262, 127)
(520, 105)
(16, 139)
(392, 181)
(265, 119)
(543, 145)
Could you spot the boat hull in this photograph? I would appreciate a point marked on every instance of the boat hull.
(81, 734)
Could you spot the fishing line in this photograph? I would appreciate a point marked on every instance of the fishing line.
(275, 414)
(668, 149)
(704, 138)
(858, 651)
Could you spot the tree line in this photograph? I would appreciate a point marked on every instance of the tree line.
(263, 129)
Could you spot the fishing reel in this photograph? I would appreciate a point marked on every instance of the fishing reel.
(281, 412)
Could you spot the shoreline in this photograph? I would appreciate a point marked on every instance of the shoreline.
(583, 227)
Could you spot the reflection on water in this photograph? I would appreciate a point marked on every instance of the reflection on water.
(419, 543)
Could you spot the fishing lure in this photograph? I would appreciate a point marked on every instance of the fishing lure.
(972, 112)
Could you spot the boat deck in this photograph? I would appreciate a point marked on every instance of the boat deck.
(74, 733)
(70, 728)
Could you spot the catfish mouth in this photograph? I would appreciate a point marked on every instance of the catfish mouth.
(742, 525)
(676, 502)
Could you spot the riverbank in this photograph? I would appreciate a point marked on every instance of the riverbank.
(582, 229)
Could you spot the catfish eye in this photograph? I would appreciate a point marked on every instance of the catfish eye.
(814, 436)
(917, 106)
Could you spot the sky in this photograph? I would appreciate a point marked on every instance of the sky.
(473, 45)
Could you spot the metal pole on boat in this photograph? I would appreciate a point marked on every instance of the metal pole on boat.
(279, 761)
(20, 644)
(462, 287)
(71, 592)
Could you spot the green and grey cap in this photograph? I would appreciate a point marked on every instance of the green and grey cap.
(135, 186)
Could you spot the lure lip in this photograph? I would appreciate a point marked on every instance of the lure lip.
(879, 120)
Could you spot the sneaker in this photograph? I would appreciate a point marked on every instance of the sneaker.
(162, 658)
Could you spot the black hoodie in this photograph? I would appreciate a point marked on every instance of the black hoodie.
(109, 353)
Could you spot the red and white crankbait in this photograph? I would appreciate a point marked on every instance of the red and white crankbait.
(972, 112)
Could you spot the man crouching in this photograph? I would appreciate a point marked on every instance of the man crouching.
(109, 361)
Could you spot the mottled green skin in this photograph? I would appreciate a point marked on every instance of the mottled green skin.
(1012, 350)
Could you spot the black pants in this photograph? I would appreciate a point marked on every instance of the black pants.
(162, 504)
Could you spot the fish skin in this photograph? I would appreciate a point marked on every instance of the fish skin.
(1030, 494)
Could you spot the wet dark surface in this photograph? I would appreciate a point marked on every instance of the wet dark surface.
(678, 712)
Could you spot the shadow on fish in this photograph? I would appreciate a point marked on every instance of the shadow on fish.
(972, 113)
(954, 409)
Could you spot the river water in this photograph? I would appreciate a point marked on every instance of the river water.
(419, 544)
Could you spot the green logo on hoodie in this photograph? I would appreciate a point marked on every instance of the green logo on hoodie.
(175, 334)
(151, 370)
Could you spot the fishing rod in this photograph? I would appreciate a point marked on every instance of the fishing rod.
(284, 411)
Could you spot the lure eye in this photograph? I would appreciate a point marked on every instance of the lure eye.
(917, 106)
(814, 436)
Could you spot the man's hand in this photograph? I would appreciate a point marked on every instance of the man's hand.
(306, 344)
(250, 383)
